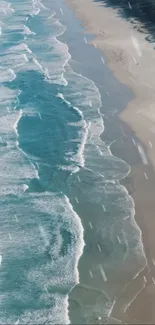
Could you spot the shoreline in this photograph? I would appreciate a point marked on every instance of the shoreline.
(120, 57)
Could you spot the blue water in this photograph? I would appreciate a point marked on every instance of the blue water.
(50, 151)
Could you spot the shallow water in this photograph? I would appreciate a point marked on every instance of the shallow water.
(52, 161)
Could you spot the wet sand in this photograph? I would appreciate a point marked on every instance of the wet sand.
(131, 58)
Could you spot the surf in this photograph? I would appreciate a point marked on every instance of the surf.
(51, 123)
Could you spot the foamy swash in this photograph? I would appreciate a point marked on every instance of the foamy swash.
(21, 238)
(41, 234)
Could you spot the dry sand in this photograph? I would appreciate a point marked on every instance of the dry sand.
(132, 60)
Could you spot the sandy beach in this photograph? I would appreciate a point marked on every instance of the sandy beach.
(131, 58)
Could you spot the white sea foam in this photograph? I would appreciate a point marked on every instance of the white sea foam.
(25, 187)
(36, 172)
(44, 7)
(17, 58)
(7, 96)
(56, 213)
(56, 68)
(53, 69)
(18, 119)
(72, 168)
(37, 63)
(7, 75)
(60, 95)
(14, 166)
(13, 60)
(57, 316)
(27, 31)
(49, 201)
(5, 9)
(94, 127)
(44, 235)
(79, 157)
(13, 75)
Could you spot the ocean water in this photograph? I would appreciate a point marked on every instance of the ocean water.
(52, 155)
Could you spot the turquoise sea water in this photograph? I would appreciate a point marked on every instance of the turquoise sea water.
(51, 155)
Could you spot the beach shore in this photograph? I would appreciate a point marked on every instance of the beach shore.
(131, 58)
